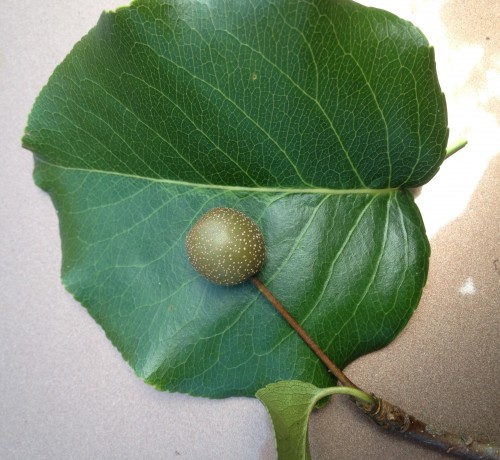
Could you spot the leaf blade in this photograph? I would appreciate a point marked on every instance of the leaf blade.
(289, 405)
(174, 80)
(162, 112)
(96, 228)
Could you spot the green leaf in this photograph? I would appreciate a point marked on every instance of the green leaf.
(311, 117)
(290, 404)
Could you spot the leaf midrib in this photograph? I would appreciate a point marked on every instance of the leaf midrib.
(231, 188)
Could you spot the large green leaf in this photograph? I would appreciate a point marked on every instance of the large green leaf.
(311, 117)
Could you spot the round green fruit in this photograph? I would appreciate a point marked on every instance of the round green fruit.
(225, 246)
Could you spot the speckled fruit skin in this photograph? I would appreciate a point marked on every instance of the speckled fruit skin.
(226, 247)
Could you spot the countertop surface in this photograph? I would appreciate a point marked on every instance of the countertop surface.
(66, 393)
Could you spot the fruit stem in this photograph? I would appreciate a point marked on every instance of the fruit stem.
(341, 377)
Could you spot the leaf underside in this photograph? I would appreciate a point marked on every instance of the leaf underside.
(311, 117)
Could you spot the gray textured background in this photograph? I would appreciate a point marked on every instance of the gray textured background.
(65, 392)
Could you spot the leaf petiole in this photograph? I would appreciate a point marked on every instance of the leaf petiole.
(459, 145)
(354, 392)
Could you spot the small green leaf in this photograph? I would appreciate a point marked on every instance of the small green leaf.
(310, 117)
(290, 404)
